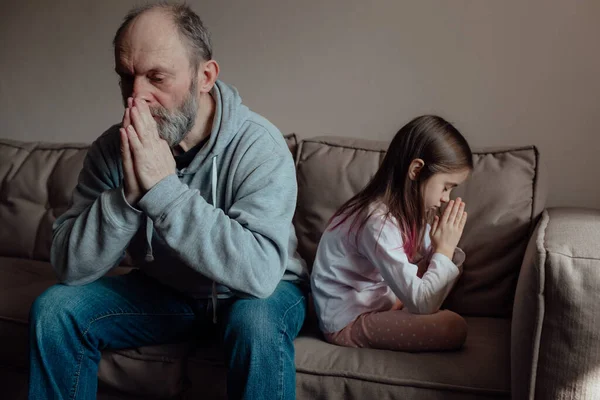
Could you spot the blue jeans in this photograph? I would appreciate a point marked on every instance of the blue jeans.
(71, 325)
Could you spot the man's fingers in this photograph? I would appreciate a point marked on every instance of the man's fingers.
(138, 123)
(126, 114)
(142, 106)
(134, 141)
(126, 118)
(126, 156)
(145, 113)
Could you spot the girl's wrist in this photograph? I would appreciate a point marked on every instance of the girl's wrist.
(448, 251)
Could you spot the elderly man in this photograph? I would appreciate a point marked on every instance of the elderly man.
(201, 191)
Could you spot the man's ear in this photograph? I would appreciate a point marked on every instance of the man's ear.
(208, 73)
(415, 168)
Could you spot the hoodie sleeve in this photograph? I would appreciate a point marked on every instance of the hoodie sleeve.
(91, 237)
(380, 242)
(244, 249)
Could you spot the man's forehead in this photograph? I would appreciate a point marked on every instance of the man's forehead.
(152, 31)
(148, 50)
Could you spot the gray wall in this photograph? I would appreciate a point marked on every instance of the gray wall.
(505, 72)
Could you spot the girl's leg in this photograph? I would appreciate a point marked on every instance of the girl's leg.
(402, 331)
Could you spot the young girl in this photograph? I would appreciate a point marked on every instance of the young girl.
(381, 271)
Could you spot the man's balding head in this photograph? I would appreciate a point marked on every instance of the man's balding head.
(186, 23)
(163, 58)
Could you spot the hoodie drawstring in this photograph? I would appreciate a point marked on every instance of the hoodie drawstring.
(214, 201)
(149, 228)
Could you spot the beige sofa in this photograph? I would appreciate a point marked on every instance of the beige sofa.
(529, 289)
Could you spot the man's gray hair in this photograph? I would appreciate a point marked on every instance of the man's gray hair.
(189, 26)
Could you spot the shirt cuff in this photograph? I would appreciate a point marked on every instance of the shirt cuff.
(459, 258)
(443, 259)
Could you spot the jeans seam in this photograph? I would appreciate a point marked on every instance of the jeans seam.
(94, 320)
(284, 331)
(76, 384)
(131, 314)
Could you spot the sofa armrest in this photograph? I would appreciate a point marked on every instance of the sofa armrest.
(555, 338)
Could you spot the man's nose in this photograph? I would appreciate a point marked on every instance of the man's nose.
(141, 89)
(445, 198)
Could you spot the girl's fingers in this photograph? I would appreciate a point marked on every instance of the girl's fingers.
(461, 210)
(447, 211)
(454, 211)
(436, 221)
(463, 220)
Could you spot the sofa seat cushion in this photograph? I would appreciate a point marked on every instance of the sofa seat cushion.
(21, 281)
(325, 371)
(481, 368)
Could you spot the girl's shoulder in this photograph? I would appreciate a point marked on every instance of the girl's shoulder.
(378, 220)
(375, 211)
(350, 226)
(378, 209)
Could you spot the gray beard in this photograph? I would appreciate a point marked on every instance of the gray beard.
(173, 126)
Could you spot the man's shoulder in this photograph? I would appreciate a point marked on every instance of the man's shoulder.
(111, 135)
(108, 143)
(258, 131)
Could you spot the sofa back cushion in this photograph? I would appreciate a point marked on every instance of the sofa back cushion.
(36, 184)
(37, 180)
(503, 196)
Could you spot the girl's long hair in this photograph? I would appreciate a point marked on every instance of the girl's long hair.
(442, 148)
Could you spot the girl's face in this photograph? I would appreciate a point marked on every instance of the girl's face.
(436, 189)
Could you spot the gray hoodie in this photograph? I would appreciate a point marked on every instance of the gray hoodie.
(219, 227)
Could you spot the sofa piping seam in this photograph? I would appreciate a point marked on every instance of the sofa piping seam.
(571, 256)
(404, 382)
(540, 321)
(477, 152)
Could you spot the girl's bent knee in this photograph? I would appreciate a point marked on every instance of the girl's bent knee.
(456, 328)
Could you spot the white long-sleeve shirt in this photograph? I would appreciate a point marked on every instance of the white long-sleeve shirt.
(351, 277)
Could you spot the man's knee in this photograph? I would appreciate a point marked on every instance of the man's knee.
(252, 322)
(268, 322)
(48, 304)
(53, 309)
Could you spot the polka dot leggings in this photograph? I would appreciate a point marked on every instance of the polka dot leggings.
(402, 331)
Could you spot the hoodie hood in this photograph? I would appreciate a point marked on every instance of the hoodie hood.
(230, 115)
